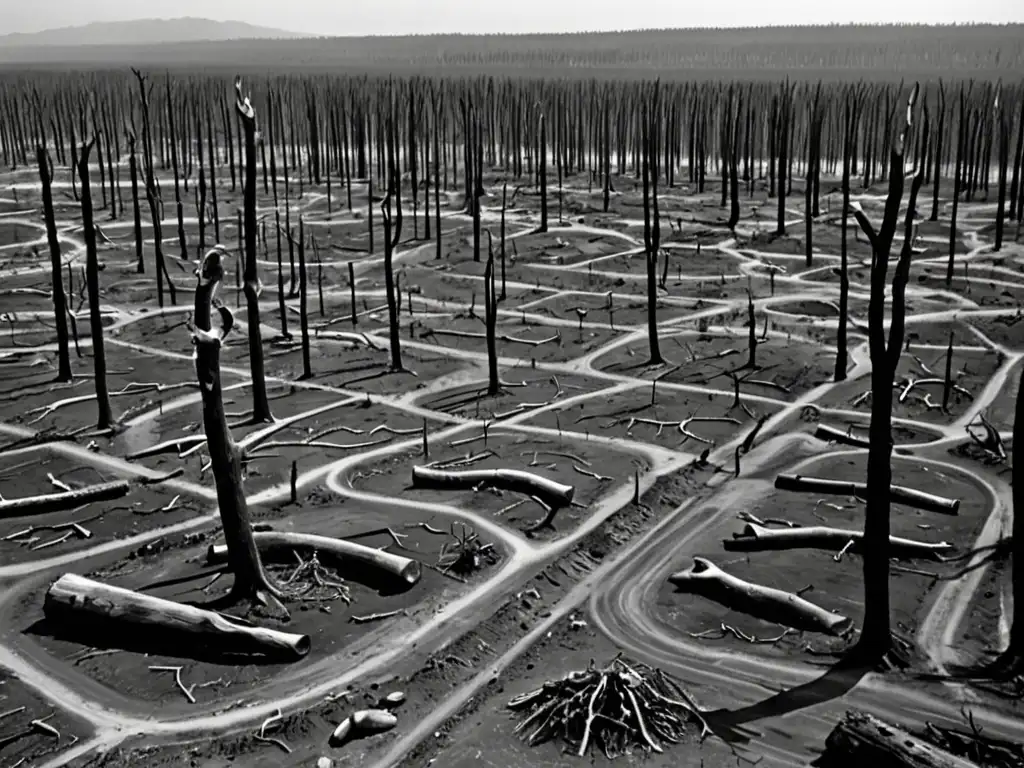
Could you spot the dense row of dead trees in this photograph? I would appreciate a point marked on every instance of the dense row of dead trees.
(326, 131)
(333, 130)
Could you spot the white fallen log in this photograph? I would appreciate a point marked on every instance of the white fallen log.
(350, 555)
(757, 538)
(706, 579)
(58, 502)
(74, 599)
(551, 492)
(897, 493)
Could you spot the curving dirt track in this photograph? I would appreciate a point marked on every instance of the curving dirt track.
(703, 312)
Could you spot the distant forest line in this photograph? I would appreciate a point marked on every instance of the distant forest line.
(829, 52)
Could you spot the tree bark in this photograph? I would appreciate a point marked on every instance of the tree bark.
(251, 582)
(75, 599)
(706, 579)
(60, 308)
(552, 493)
(251, 286)
(349, 554)
(105, 418)
(757, 538)
(59, 502)
(864, 739)
(897, 493)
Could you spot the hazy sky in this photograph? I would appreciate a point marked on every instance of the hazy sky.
(363, 17)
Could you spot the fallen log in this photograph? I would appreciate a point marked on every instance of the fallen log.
(347, 553)
(897, 493)
(706, 579)
(59, 502)
(862, 739)
(833, 435)
(552, 493)
(73, 599)
(757, 538)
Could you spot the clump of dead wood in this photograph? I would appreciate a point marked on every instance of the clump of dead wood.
(616, 708)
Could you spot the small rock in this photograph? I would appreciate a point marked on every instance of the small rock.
(325, 762)
(394, 699)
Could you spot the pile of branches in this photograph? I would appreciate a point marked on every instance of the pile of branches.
(465, 554)
(311, 581)
(975, 746)
(616, 709)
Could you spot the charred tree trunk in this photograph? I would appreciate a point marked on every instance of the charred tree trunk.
(491, 321)
(252, 286)
(392, 235)
(850, 120)
(92, 278)
(961, 141)
(876, 640)
(543, 163)
(251, 581)
(652, 221)
(307, 368)
(60, 309)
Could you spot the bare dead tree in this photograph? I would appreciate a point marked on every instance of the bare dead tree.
(251, 581)
(876, 639)
(92, 279)
(252, 285)
(60, 309)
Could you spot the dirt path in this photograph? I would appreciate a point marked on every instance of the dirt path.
(620, 591)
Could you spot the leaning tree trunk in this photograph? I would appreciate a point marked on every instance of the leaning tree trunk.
(252, 286)
(251, 581)
(60, 309)
(876, 639)
(92, 279)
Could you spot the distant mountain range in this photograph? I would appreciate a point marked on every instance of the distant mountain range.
(146, 32)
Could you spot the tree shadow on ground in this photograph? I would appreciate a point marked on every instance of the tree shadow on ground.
(839, 680)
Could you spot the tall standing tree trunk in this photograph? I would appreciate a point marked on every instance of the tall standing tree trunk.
(876, 639)
(251, 581)
(391, 211)
(92, 279)
(850, 121)
(543, 162)
(251, 285)
(60, 309)
(133, 172)
(652, 221)
(307, 368)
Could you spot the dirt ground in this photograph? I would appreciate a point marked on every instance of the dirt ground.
(649, 450)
